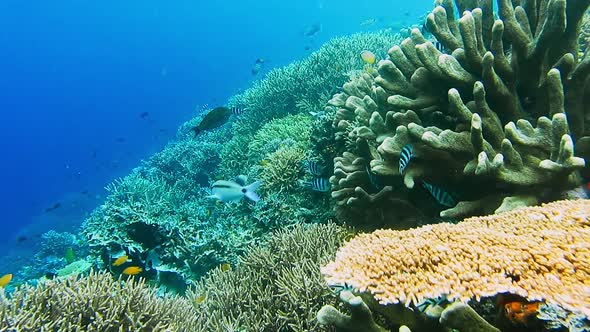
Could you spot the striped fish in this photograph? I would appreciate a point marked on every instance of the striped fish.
(313, 167)
(237, 111)
(439, 46)
(441, 196)
(317, 184)
(374, 179)
(405, 157)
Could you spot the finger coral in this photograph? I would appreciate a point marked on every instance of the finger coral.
(494, 118)
(539, 253)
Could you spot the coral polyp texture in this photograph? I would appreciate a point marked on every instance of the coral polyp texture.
(96, 302)
(497, 119)
(538, 253)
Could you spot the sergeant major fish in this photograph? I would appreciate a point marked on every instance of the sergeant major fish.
(441, 196)
(405, 157)
(375, 181)
(317, 184)
(313, 167)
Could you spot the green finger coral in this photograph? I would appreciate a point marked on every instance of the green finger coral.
(497, 119)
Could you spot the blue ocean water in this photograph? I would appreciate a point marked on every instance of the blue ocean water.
(89, 88)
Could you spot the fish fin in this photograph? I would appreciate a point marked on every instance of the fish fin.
(241, 180)
(251, 191)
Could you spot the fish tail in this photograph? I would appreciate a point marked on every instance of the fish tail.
(251, 191)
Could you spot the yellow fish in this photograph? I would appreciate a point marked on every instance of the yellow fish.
(5, 279)
(368, 57)
(225, 267)
(263, 162)
(200, 299)
(121, 260)
(132, 270)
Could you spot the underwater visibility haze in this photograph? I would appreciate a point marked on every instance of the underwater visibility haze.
(312, 165)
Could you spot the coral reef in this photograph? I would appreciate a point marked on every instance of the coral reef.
(556, 318)
(361, 318)
(493, 119)
(277, 286)
(93, 303)
(537, 253)
(301, 87)
(160, 215)
(455, 317)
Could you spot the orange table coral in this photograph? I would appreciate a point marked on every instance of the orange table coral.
(539, 253)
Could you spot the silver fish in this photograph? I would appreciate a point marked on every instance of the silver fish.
(405, 157)
(230, 191)
(441, 196)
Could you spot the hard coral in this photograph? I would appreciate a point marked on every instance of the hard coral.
(500, 110)
(93, 303)
(538, 253)
(300, 87)
(277, 286)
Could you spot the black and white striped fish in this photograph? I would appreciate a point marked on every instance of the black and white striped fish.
(317, 184)
(237, 110)
(374, 179)
(313, 167)
(441, 196)
(405, 157)
(439, 46)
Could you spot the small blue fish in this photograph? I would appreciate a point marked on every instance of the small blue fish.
(374, 179)
(230, 191)
(313, 167)
(317, 184)
(441, 196)
(405, 156)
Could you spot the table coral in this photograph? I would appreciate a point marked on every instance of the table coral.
(494, 118)
(538, 253)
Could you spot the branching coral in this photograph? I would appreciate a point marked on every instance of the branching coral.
(291, 128)
(300, 87)
(93, 303)
(276, 286)
(501, 110)
(282, 169)
(538, 253)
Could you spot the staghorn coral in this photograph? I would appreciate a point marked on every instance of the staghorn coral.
(538, 253)
(301, 87)
(494, 119)
(93, 303)
(276, 286)
(160, 213)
